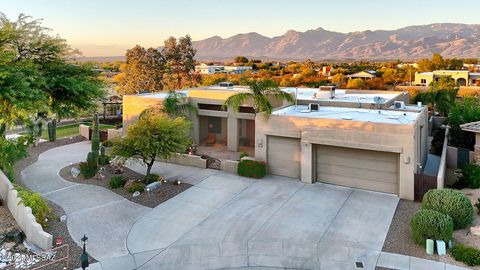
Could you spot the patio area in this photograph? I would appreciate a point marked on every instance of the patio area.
(220, 151)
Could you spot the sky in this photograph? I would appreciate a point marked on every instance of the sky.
(109, 27)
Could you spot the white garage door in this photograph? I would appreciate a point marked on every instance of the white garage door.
(283, 156)
(365, 169)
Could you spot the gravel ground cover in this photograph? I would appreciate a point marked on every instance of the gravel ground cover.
(399, 239)
(148, 199)
(55, 226)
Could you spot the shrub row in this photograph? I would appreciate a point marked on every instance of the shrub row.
(450, 202)
(430, 224)
(39, 206)
(252, 168)
(468, 255)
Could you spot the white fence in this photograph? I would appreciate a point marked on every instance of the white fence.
(23, 215)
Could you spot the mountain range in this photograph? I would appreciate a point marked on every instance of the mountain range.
(409, 43)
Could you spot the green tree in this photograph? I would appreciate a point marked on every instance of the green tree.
(36, 75)
(260, 93)
(338, 78)
(356, 84)
(463, 112)
(152, 136)
(241, 59)
(180, 62)
(11, 151)
(143, 71)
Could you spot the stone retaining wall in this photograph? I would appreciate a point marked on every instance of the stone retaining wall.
(23, 215)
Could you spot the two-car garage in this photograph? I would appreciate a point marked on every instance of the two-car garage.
(358, 168)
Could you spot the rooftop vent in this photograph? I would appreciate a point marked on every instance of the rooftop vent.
(399, 105)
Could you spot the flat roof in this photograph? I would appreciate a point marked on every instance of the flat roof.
(352, 114)
(342, 95)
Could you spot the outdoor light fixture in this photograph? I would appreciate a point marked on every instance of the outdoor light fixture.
(84, 256)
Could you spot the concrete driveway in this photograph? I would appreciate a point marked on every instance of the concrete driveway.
(102, 215)
(226, 221)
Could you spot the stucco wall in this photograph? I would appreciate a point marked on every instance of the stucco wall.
(187, 160)
(394, 138)
(23, 215)
(134, 105)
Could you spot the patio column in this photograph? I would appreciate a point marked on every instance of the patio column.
(232, 131)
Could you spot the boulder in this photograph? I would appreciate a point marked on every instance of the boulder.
(475, 230)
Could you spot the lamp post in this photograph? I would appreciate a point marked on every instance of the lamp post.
(84, 256)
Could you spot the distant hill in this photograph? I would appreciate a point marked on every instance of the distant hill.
(412, 42)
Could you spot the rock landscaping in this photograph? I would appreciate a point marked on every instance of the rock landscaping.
(126, 183)
(54, 226)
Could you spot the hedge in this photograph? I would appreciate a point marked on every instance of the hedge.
(430, 224)
(468, 255)
(252, 168)
(450, 202)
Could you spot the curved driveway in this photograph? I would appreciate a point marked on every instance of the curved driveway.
(224, 221)
(102, 215)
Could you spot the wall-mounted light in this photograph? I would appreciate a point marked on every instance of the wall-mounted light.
(260, 143)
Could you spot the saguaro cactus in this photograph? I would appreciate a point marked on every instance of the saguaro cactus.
(52, 130)
(95, 138)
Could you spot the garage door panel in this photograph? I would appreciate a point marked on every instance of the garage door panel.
(354, 173)
(361, 183)
(359, 162)
(355, 153)
(366, 169)
(284, 156)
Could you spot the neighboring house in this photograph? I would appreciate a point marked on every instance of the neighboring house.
(326, 71)
(461, 77)
(353, 138)
(364, 75)
(218, 69)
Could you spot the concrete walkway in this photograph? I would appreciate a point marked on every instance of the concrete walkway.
(92, 210)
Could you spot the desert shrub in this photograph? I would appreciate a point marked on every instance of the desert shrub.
(468, 255)
(243, 154)
(116, 181)
(151, 178)
(87, 170)
(104, 159)
(39, 206)
(136, 187)
(430, 224)
(107, 143)
(470, 176)
(252, 168)
(452, 203)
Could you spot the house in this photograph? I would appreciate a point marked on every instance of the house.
(364, 75)
(461, 77)
(363, 139)
(218, 69)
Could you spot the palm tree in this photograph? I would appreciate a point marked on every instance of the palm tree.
(261, 91)
(174, 105)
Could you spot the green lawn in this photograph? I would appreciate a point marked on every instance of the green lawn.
(70, 130)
